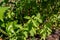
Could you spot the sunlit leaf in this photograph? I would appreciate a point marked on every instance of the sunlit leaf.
(35, 23)
(25, 33)
(2, 10)
(27, 17)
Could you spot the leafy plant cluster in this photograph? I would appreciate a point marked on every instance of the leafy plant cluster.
(20, 19)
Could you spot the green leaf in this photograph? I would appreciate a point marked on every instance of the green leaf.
(38, 15)
(28, 21)
(27, 17)
(29, 1)
(35, 23)
(19, 26)
(33, 16)
(2, 10)
(25, 33)
(44, 35)
(38, 19)
(59, 17)
(25, 28)
(42, 30)
(31, 33)
(34, 30)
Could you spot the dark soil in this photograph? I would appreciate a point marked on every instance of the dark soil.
(55, 35)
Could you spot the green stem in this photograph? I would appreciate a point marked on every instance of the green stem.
(3, 32)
